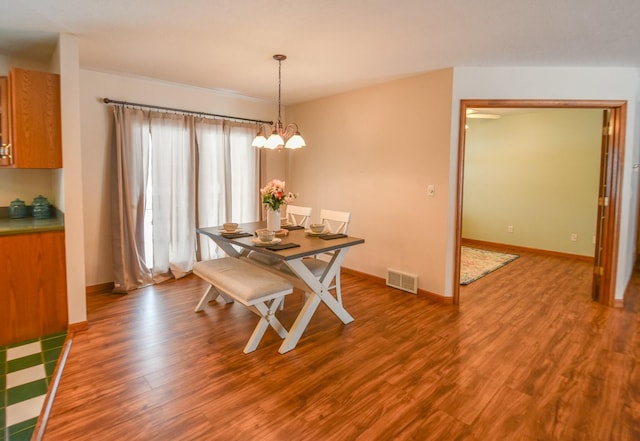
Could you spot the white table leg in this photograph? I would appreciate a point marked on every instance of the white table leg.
(321, 287)
(300, 324)
(228, 248)
(319, 293)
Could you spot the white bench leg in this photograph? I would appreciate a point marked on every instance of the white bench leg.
(267, 318)
(209, 295)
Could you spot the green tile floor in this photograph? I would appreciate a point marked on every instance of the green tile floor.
(26, 370)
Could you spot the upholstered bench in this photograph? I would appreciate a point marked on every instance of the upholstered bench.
(258, 289)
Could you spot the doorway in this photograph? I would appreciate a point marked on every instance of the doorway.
(606, 245)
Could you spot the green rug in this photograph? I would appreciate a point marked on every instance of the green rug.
(475, 263)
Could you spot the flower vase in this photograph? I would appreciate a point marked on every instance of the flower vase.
(273, 220)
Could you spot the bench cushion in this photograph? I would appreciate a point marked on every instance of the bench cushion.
(242, 280)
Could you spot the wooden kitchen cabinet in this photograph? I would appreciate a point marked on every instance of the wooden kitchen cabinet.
(33, 286)
(33, 137)
(4, 122)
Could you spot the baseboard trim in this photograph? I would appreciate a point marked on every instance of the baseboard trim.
(435, 297)
(382, 281)
(77, 327)
(108, 287)
(102, 287)
(517, 248)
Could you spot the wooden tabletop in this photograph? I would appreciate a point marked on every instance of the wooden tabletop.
(309, 245)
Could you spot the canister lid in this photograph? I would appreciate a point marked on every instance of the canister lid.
(40, 200)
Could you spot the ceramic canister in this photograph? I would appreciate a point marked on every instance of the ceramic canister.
(40, 207)
(17, 209)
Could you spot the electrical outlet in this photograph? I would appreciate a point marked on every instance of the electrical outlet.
(574, 237)
(510, 229)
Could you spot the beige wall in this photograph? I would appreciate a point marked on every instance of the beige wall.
(373, 152)
(537, 172)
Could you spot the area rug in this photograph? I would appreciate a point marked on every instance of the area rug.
(475, 263)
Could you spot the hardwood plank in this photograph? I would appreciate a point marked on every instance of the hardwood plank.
(526, 356)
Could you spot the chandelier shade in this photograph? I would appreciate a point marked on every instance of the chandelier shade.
(279, 135)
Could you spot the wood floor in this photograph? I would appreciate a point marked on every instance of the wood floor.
(527, 356)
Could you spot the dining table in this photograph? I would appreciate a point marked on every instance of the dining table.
(286, 258)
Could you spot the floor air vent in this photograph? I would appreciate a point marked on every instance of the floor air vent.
(403, 281)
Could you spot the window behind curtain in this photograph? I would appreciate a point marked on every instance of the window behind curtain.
(244, 184)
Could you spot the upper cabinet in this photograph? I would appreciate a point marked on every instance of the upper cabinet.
(5, 143)
(31, 124)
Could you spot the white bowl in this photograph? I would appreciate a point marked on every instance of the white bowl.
(316, 228)
(266, 236)
(230, 226)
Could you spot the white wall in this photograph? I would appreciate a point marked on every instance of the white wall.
(7, 62)
(537, 172)
(96, 139)
(70, 177)
(563, 84)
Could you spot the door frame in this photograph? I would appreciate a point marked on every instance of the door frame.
(614, 167)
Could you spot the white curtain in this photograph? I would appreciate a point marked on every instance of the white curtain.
(243, 157)
(203, 172)
(228, 179)
(212, 185)
(173, 195)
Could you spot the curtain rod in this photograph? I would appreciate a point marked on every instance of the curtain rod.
(191, 112)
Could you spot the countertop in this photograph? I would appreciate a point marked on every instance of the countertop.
(29, 224)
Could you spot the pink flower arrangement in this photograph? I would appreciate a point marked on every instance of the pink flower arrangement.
(273, 195)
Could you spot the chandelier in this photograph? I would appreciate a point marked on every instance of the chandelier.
(282, 136)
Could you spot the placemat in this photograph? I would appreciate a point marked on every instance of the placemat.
(235, 235)
(293, 227)
(282, 246)
(332, 236)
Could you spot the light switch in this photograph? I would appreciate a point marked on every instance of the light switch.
(431, 190)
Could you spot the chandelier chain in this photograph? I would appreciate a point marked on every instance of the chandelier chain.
(279, 88)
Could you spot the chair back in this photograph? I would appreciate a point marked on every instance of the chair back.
(336, 221)
(297, 215)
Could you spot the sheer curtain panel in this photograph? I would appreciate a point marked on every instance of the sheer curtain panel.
(244, 158)
(228, 177)
(173, 174)
(212, 184)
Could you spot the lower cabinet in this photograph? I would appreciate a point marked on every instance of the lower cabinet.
(33, 286)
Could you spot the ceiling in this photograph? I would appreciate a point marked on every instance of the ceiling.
(332, 45)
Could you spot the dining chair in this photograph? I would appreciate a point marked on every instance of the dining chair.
(335, 222)
(298, 216)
